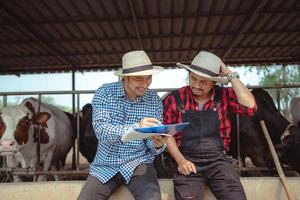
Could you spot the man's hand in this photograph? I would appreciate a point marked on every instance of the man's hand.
(159, 141)
(186, 167)
(148, 121)
(224, 70)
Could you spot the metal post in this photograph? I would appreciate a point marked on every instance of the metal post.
(240, 163)
(278, 96)
(284, 92)
(38, 147)
(4, 100)
(78, 129)
(74, 165)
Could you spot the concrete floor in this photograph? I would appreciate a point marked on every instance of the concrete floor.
(257, 188)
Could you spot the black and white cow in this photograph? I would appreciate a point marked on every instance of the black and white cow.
(18, 135)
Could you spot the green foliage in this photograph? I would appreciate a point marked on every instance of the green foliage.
(281, 75)
(51, 100)
(9, 103)
(46, 99)
(278, 74)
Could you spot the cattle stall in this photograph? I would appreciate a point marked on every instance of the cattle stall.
(78, 167)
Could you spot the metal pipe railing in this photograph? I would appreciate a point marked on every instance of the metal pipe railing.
(18, 171)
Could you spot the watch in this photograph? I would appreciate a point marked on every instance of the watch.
(232, 75)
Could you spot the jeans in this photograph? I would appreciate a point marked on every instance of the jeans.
(143, 185)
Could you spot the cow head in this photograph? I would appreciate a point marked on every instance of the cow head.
(289, 148)
(15, 127)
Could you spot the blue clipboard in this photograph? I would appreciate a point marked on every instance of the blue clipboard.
(163, 129)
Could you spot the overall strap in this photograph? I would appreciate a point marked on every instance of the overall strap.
(179, 104)
(218, 96)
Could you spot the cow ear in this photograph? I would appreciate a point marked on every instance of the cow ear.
(30, 107)
(41, 118)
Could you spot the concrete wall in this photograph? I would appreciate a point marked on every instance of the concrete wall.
(257, 188)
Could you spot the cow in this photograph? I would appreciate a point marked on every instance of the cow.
(284, 135)
(19, 137)
(295, 110)
(87, 140)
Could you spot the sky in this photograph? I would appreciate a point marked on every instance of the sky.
(169, 78)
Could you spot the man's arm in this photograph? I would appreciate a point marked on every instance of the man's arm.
(184, 166)
(170, 117)
(243, 94)
(105, 130)
(156, 144)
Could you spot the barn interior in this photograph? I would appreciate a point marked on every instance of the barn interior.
(56, 36)
(39, 36)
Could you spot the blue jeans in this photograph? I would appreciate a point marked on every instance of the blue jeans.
(143, 185)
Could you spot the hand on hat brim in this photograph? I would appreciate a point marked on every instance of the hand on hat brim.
(217, 79)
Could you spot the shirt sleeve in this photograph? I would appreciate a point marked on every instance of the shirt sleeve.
(105, 130)
(169, 114)
(159, 113)
(152, 148)
(235, 106)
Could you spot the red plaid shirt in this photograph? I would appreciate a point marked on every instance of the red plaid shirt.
(227, 103)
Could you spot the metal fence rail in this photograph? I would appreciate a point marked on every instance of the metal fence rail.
(76, 109)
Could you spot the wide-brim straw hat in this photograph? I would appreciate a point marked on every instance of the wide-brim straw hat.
(207, 65)
(137, 63)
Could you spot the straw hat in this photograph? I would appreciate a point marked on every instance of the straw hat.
(207, 65)
(137, 63)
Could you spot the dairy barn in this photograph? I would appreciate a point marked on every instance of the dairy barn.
(74, 37)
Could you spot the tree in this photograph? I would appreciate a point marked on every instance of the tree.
(51, 100)
(46, 99)
(280, 74)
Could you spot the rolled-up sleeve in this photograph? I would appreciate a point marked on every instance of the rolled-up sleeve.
(236, 107)
(152, 148)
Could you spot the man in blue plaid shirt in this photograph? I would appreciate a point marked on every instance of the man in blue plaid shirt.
(118, 108)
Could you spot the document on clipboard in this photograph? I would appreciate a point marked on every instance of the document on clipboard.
(142, 133)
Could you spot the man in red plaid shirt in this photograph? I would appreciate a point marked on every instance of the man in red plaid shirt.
(200, 150)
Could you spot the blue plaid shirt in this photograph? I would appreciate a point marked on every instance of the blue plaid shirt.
(113, 115)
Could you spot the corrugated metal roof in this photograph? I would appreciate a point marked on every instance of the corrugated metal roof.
(63, 35)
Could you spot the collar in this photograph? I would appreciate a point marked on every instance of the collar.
(120, 89)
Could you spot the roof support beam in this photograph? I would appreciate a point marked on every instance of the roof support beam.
(135, 24)
(98, 53)
(116, 38)
(245, 26)
(82, 67)
(127, 18)
(31, 34)
(162, 36)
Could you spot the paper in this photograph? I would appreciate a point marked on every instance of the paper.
(141, 133)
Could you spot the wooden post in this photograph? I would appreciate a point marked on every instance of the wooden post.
(287, 189)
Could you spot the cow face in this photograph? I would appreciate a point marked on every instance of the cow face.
(15, 127)
(290, 147)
